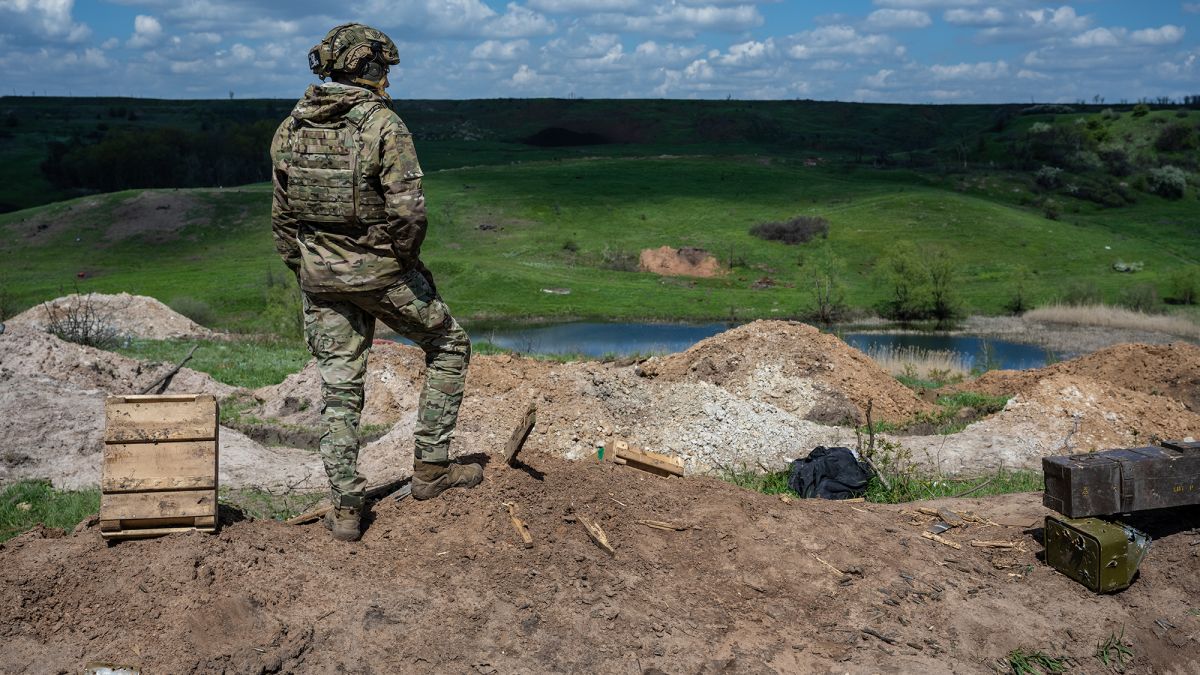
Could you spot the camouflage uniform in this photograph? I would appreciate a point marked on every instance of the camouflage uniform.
(348, 216)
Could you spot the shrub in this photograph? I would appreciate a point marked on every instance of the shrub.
(943, 272)
(1184, 286)
(1167, 181)
(81, 320)
(1019, 303)
(1140, 298)
(795, 231)
(1048, 177)
(828, 293)
(1141, 110)
(570, 246)
(1110, 115)
(1039, 128)
(1116, 160)
(1175, 137)
(908, 282)
(194, 309)
(1048, 109)
(1050, 209)
(1082, 293)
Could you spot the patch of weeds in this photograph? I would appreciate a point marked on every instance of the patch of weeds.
(766, 482)
(26, 503)
(262, 503)
(954, 413)
(1114, 652)
(1034, 662)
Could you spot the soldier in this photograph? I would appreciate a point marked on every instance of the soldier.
(348, 216)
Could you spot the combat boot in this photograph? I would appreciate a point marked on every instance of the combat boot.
(345, 523)
(430, 480)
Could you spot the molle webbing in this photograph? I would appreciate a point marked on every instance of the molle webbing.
(325, 183)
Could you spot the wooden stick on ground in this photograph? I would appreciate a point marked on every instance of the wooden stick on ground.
(520, 433)
(835, 570)
(519, 525)
(597, 534)
(993, 544)
(171, 373)
(941, 540)
(661, 525)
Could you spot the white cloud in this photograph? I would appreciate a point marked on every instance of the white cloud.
(926, 4)
(519, 22)
(682, 21)
(748, 53)
(147, 31)
(840, 40)
(1038, 24)
(583, 6)
(986, 70)
(1026, 74)
(45, 18)
(989, 16)
(896, 19)
(525, 76)
(496, 50)
(1163, 35)
(1097, 37)
(879, 79)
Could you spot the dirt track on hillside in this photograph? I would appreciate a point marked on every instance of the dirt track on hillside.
(444, 586)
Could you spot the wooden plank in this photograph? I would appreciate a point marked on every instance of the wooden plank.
(180, 504)
(134, 419)
(153, 532)
(109, 525)
(648, 461)
(519, 525)
(138, 467)
(597, 535)
(520, 433)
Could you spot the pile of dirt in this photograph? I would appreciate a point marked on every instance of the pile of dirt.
(1171, 370)
(128, 315)
(155, 215)
(795, 367)
(679, 262)
(750, 584)
(52, 415)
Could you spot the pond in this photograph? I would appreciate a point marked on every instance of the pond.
(626, 339)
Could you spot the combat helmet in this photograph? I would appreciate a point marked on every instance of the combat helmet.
(358, 53)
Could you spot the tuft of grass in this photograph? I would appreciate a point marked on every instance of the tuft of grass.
(904, 488)
(1034, 662)
(921, 366)
(1114, 652)
(1108, 316)
(250, 362)
(26, 503)
(954, 413)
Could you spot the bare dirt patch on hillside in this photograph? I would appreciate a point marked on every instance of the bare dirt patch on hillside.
(746, 587)
(680, 262)
(156, 215)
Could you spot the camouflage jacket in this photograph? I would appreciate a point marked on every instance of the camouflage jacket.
(367, 253)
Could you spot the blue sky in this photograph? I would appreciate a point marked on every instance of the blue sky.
(908, 51)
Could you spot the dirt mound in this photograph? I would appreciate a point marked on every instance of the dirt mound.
(747, 587)
(27, 352)
(681, 262)
(156, 215)
(1057, 415)
(796, 367)
(128, 315)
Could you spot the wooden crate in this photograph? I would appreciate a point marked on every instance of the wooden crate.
(160, 465)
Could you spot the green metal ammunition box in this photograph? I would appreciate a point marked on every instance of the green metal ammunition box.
(1101, 555)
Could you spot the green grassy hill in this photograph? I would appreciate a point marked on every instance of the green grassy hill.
(574, 223)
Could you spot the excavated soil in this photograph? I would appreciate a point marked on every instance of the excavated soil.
(128, 315)
(679, 262)
(155, 215)
(750, 585)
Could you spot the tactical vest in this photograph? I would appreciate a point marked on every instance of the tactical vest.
(325, 183)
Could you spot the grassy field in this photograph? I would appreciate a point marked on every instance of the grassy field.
(558, 222)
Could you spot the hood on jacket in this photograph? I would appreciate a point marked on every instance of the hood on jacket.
(330, 101)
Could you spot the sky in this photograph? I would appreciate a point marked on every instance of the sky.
(904, 51)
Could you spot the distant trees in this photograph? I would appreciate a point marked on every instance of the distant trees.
(921, 283)
(165, 157)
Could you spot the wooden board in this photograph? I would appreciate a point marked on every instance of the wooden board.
(520, 433)
(149, 505)
(138, 467)
(150, 532)
(142, 419)
(650, 462)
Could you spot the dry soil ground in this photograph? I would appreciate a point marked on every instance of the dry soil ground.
(751, 584)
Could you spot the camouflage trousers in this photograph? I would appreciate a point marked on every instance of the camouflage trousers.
(339, 328)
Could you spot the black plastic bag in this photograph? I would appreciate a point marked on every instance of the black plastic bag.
(829, 473)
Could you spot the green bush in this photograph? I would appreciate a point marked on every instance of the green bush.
(1141, 298)
(1081, 293)
(1176, 137)
(1167, 181)
(798, 230)
(196, 310)
(1048, 177)
(907, 279)
(943, 271)
(618, 260)
(1184, 286)
(828, 292)
(1141, 110)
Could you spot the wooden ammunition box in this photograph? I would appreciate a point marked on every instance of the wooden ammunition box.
(160, 465)
(1123, 481)
(1101, 555)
